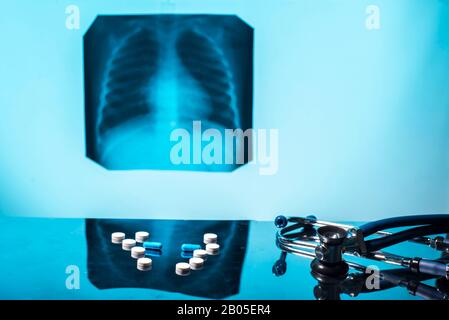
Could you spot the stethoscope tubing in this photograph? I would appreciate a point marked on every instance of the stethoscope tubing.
(405, 235)
(416, 235)
(405, 221)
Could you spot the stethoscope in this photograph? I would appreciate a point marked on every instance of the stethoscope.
(326, 243)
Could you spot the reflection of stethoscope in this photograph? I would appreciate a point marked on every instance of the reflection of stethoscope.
(330, 288)
(327, 243)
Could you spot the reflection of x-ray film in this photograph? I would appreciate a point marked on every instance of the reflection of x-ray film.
(109, 267)
(148, 75)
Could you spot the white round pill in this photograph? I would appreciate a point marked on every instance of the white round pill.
(210, 238)
(182, 269)
(212, 248)
(128, 244)
(142, 236)
(196, 263)
(200, 253)
(137, 252)
(144, 264)
(117, 237)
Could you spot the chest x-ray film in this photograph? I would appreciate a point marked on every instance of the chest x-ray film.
(147, 75)
(224, 109)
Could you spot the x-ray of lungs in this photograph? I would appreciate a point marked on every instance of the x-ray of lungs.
(109, 266)
(148, 75)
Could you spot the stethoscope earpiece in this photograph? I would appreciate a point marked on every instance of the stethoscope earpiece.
(281, 221)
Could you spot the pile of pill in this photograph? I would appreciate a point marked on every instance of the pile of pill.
(196, 263)
(142, 236)
(210, 238)
(182, 269)
(194, 252)
(200, 253)
(197, 256)
(117, 237)
(128, 244)
(144, 264)
(137, 252)
(212, 248)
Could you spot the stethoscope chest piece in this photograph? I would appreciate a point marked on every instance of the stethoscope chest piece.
(329, 253)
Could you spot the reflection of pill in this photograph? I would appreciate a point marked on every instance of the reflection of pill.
(190, 247)
(182, 269)
(153, 253)
(127, 244)
(186, 254)
(196, 263)
(137, 252)
(210, 238)
(212, 248)
(200, 253)
(142, 236)
(152, 245)
(117, 237)
(144, 264)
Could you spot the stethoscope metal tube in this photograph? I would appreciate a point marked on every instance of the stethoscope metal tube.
(329, 254)
(438, 243)
(432, 267)
(310, 255)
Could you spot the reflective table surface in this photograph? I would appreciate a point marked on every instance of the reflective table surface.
(74, 259)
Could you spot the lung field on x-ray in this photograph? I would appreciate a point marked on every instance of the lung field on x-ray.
(146, 75)
(208, 65)
(130, 70)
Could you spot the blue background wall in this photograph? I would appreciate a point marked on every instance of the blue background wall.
(363, 116)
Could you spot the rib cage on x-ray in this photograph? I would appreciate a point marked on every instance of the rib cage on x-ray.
(126, 94)
(207, 64)
(130, 69)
